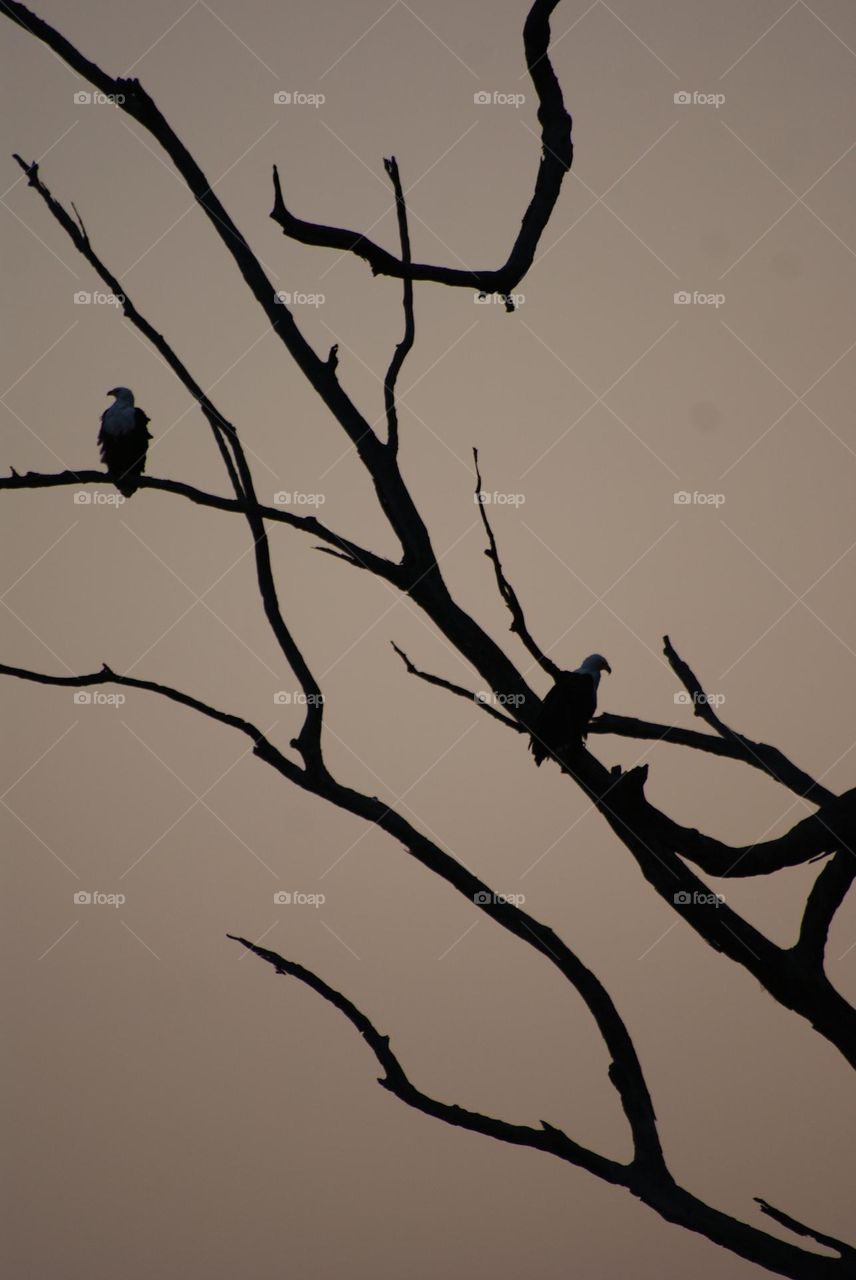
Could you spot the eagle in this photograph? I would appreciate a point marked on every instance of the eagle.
(562, 722)
(123, 441)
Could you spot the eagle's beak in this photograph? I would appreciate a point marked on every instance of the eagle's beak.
(607, 667)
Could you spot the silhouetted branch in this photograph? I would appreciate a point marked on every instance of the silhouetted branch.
(353, 553)
(625, 1071)
(556, 158)
(800, 1229)
(769, 759)
(404, 347)
(261, 746)
(652, 1184)
(547, 1138)
(827, 894)
(459, 690)
(509, 595)
(818, 834)
(309, 739)
(421, 576)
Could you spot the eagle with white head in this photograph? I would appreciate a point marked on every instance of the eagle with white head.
(123, 441)
(563, 720)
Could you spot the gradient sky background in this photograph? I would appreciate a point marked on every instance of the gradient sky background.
(173, 1109)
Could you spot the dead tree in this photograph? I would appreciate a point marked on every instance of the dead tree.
(672, 858)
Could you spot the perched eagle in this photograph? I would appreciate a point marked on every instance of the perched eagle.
(563, 720)
(123, 440)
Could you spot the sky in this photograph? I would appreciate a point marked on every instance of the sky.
(666, 422)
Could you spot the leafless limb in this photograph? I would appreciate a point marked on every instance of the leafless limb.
(509, 595)
(458, 689)
(653, 1186)
(758, 754)
(794, 976)
(556, 158)
(405, 346)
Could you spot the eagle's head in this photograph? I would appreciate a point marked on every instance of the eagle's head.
(596, 663)
(125, 394)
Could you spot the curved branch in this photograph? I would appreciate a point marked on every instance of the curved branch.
(518, 619)
(262, 747)
(457, 689)
(421, 575)
(309, 739)
(827, 894)
(759, 754)
(405, 346)
(625, 1071)
(846, 1251)
(353, 553)
(395, 1079)
(557, 154)
(653, 1186)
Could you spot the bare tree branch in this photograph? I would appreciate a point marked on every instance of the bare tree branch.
(847, 1252)
(404, 347)
(352, 552)
(547, 1138)
(509, 595)
(457, 689)
(827, 894)
(654, 1186)
(758, 754)
(556, 158)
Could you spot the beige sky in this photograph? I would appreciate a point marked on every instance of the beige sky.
(175, 1110)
